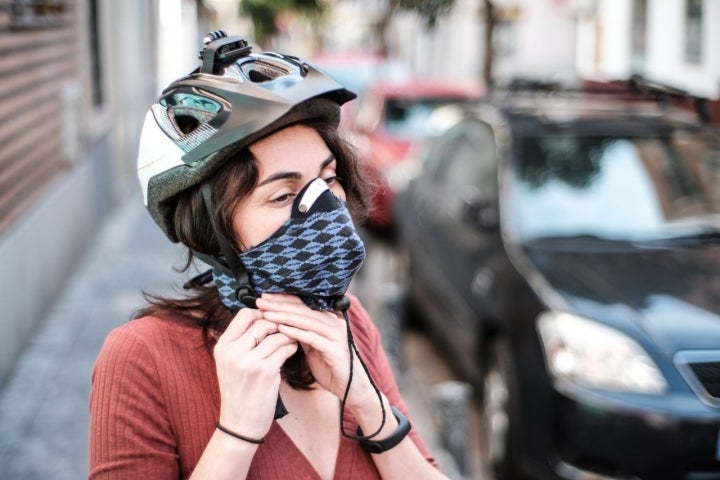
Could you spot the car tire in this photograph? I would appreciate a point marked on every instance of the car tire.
(498, 418)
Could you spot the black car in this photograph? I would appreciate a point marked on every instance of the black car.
(564, 250)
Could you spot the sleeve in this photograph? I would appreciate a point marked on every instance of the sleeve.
(369, 343)
(130, 435)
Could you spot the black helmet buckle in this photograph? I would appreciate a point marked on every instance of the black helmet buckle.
(247, 295)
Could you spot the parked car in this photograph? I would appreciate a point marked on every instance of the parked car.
(390, 117)
(358, 71)
(564, 253)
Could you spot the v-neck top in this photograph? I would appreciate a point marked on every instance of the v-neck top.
(155, 400)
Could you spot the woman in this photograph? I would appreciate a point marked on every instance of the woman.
(271, 371)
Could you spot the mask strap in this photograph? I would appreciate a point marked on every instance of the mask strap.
(245, 292)
(343, 303)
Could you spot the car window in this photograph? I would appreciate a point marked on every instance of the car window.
(703, 159)
(472, 164)
(435, 150)
(408, 118)
(613, 186)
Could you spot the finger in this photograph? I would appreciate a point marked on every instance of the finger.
(276, 347)
(286, 303)
(257, 331)
(240, 323)
(255, 338)
(283, 297)
(293, 305)
(306, 337)
(272, 342)
(325, 324)
(277, 358)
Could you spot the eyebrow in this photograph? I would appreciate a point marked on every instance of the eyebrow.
(293, 175)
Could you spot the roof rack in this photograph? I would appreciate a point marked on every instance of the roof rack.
(534, 85)
(636, 85)
(663, 93)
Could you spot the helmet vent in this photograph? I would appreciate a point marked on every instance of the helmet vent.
(260, 72)
(186, 123)
(187, 129)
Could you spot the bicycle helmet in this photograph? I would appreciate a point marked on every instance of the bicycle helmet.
(235, 98)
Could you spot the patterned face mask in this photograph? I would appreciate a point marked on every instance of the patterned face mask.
(315, 254)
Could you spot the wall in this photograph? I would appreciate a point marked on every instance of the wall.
(605, 45)
(38, 254)
(541, 38)
(89, 150)
(32, 135)
(665, 60)
(535, 38)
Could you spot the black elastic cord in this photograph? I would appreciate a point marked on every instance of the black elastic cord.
(256, 441)
(352, 348)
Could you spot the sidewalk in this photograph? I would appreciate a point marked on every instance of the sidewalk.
(44, 403)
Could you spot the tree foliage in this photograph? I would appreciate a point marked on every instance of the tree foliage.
(264, 14)
(429, 10)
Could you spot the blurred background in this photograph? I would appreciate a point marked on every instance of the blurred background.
(77, 77)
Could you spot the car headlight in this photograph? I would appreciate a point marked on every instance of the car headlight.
(594, 355)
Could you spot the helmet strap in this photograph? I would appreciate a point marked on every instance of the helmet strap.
(245, 293)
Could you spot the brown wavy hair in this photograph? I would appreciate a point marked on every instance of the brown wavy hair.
(200, 305)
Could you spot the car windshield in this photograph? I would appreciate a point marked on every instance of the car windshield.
(615, 187)
(407, 118)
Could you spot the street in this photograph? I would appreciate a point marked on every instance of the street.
(422, 371)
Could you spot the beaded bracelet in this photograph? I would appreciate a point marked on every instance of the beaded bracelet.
(237, 435)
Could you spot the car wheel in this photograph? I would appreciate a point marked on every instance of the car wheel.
(497, 412)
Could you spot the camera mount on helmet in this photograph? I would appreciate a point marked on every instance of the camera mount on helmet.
(220, 51)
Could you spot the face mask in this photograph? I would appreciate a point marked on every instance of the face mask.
(315, 254)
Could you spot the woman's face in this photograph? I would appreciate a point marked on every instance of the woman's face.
(287, 161)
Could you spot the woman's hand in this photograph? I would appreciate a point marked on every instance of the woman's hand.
(323, 337)
(248, 357)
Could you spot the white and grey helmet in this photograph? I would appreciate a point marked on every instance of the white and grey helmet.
(235, 98)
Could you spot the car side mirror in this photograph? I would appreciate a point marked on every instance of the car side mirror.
(361, 126)
(480, 211)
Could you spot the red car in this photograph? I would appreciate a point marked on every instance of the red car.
(391, 116)
(357, 71)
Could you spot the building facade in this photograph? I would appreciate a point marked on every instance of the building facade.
(75, 79)
(674, 42)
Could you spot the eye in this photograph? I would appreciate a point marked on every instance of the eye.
(332, 179)
(283, 199)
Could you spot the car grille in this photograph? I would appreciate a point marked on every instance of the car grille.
(708, 374)
(701, 369)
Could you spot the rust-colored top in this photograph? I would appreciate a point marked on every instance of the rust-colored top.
(155, 400)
